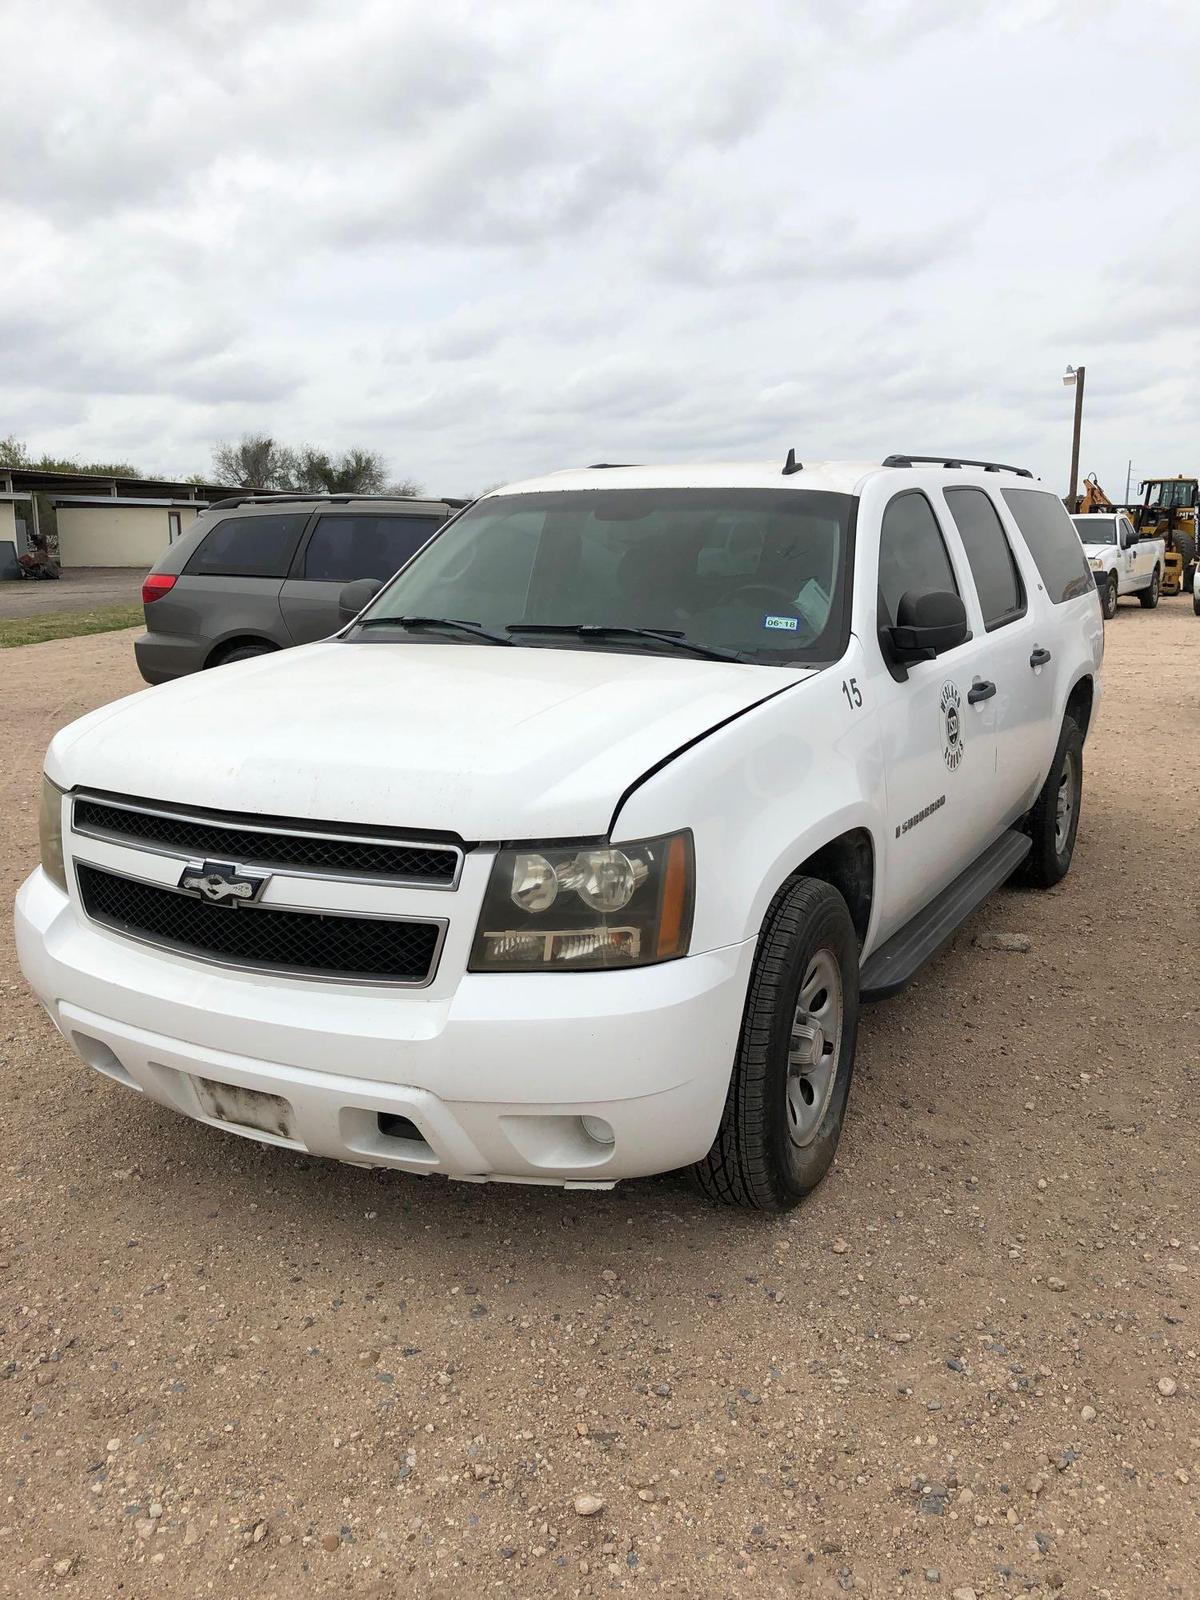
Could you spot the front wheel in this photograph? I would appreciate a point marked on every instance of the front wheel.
(1054, 821)
(791, 1077)
(1149, 597)
(1110, 597)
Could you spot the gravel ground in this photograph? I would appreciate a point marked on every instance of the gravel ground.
(78, 589)
(966, 1367)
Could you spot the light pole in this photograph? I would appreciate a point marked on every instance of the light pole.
(1074, 376)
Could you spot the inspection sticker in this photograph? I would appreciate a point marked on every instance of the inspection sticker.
(789, 624)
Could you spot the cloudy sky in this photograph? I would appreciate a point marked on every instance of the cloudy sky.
(494, 240)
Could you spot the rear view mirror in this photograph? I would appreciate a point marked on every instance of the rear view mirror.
(356, 595)
(1128, 538)
(926, 624)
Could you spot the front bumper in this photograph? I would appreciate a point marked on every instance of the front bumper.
(490, 1081)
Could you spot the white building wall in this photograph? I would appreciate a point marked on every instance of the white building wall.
(116, 536)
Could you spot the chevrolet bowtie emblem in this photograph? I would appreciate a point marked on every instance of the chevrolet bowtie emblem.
(223, 883)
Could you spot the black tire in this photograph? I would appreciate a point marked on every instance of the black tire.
(1149, 597)
(1196, 602)
(1185, 544)
(1108, 600)
(1049, 861)
(244, 652)
(755, 1160)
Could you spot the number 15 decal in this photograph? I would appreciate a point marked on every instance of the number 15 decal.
(852, 692)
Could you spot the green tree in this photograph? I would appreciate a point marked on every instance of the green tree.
(15, 453)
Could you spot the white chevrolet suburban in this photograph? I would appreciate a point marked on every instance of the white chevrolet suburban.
(1121, 563)
(573, 854)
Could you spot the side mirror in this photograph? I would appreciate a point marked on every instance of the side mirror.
(356, 595)
(926, 624)
(1128, 538)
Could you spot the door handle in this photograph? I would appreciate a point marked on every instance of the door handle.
(980, 690)
(1039, 657)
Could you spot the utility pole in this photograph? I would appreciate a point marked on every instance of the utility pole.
(1075, 375)
(1128, 477)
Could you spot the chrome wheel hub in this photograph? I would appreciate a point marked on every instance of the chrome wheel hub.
(814, 1048)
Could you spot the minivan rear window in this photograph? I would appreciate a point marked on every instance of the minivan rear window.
(248, 547)
(1053, 543)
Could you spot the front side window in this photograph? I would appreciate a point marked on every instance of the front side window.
(761, 573)
(1053, 543)
(912, 553)
(346, 546)
(249, 547)
(997, 581)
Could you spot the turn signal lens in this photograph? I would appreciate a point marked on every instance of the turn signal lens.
(156, 585)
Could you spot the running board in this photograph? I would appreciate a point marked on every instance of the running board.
(897, 962)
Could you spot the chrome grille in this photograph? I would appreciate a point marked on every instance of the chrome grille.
(269, 842)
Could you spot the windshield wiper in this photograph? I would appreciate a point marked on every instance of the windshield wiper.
(604, 630)
(454, 623)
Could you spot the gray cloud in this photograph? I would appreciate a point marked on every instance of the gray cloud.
(494, 241)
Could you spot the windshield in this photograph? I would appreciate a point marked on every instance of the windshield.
(1097, 530)
(1172, 492)
(758, 572)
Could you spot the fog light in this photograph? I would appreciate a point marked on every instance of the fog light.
(596, 1128)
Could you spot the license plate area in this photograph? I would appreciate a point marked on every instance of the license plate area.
(245, 1108)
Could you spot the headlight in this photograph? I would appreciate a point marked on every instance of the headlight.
(573, 906)
(50, 833)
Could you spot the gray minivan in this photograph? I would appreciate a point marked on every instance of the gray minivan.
(262, 572)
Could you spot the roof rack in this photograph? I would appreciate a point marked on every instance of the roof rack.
(954, 461)
(269, 497)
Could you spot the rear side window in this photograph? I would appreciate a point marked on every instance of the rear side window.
(249, 547)
(346, 547)
(912, 552)
(1053, 543)
(997, 581)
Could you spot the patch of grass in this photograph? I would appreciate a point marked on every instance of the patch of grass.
(66, 624)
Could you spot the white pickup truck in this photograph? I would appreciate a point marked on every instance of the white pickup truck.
(572, 855)
(1121, 563)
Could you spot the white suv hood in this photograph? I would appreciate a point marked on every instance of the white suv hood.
(481, 741)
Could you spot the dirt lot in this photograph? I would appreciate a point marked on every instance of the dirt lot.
(79, 589)
(967, 1365)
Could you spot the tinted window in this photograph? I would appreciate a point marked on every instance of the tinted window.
(1053, 543)
(997, 581)
(343, 548)
(912, 552)
(758, 571)
(249, 547)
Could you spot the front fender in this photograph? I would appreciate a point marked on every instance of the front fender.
(764, 793)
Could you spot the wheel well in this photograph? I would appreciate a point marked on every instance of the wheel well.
(218, 653)
(848, 863)
(1079, 704)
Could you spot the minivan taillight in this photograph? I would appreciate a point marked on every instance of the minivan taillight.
(156, 585)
